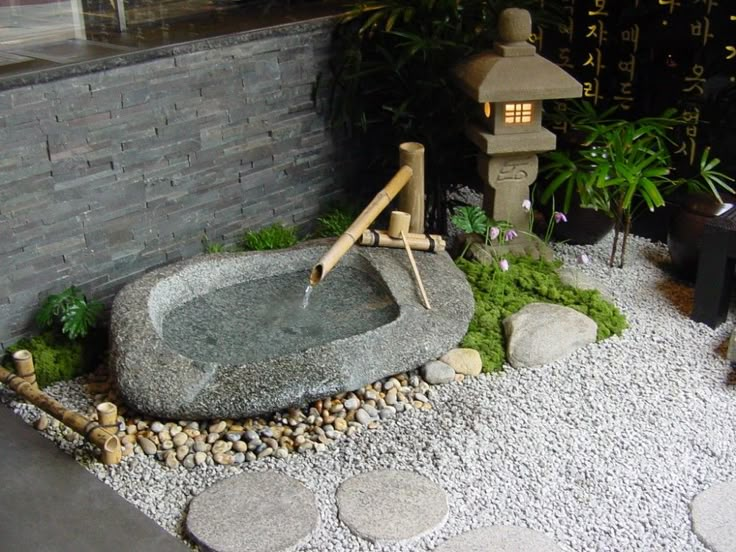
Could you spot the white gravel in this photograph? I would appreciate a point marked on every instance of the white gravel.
(602, 451)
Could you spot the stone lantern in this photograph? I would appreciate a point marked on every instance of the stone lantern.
(509, 84)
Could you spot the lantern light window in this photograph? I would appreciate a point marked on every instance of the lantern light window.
(518, 113)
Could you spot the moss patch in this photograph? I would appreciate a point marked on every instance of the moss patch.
(54, 358)
(499, 294)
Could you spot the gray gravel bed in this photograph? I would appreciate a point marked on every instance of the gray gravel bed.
(602, 451)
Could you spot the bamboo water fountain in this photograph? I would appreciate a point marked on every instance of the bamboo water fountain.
(409, 180)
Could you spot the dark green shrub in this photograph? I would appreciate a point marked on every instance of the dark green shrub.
(70, 311)
(394, 82)
(499, 294)
(276, 236)
(55, 358)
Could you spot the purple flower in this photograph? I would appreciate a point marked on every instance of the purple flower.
(503, 264)
(510, 235)
(495, 231)
(560, 217)
(583, 259)
(526, 205)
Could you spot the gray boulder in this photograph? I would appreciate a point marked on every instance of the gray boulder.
(155, 378)
(436, 372)
(541, 333)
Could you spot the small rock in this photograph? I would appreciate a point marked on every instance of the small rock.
(221, 446)
(371, 410)
(171, 460)
(167, 445)
(363, 417)
(437, 372)
(233, 436)
(188, 462)
(340, 424)
(157, 427)
(200, 458)
(238, 458)
(42, 422)
(182, 452)
(463, 361)
(201, 446)
(223, 458)
(391, 397)
(353, 403)
(180, 439)
(240, 446)
(250, 457)
(387, 413)
(218, 427)
(212, 437)
(251, 435)
(147, 445)
(268, 451)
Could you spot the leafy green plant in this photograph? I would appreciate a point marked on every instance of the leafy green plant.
(471, 219)
(71, 311)
(276, 236)
(54, 358)
(394, 83)
(526, 281)
(623, 167)
(335, 222)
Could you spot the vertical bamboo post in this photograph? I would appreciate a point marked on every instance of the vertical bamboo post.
(411, 198)
(23, 362)
(107, 416)
(398, 223)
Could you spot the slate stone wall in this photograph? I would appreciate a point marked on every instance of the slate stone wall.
(108, 174)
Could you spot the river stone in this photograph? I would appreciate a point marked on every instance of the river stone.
(713, 513)
(391, 505)
(463, 361)
(541, 333)
(252, 512)
(500, 539)
(578, 279)
(158, 381)
(437, 372)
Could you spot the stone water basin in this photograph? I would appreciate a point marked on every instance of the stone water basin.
(227, 336)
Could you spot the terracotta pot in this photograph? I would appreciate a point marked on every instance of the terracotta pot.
(686, 228)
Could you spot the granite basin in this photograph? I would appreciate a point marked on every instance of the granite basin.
(178, 333)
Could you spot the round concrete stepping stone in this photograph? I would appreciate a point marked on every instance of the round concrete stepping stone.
(252, 512)
(714, 511)
(391, 505)
(500, 538)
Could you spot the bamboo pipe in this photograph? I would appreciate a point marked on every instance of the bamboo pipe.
(359, 225)
(23, 362)
(411, 198)
(108, 443)
(418, 242)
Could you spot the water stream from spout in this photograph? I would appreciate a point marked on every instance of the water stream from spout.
(307, 293)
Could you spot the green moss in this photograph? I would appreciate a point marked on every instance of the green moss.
(499, 294)
(54, 358)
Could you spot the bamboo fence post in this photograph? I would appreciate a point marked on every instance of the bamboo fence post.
(359, 225)
(108, 443)
(398, 223)
(107, 415)
(23, 362)
(416, 271)
(411, 198)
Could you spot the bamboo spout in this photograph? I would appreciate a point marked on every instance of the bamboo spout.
(360, 224)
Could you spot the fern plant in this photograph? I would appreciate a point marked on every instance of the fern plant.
(71, 311)
(276, 236)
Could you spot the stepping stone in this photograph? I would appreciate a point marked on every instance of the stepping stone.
(252, 512)
(713, 512)
(391, 505)
(500, 538)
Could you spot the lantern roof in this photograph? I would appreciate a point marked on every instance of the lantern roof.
(513, 71)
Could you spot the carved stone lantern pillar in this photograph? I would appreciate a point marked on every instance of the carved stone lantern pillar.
(509, 84)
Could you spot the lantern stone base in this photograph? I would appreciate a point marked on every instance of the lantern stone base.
(508, 178)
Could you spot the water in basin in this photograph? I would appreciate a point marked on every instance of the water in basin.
(260, 319)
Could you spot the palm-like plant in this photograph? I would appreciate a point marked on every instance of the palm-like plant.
(623, 167)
